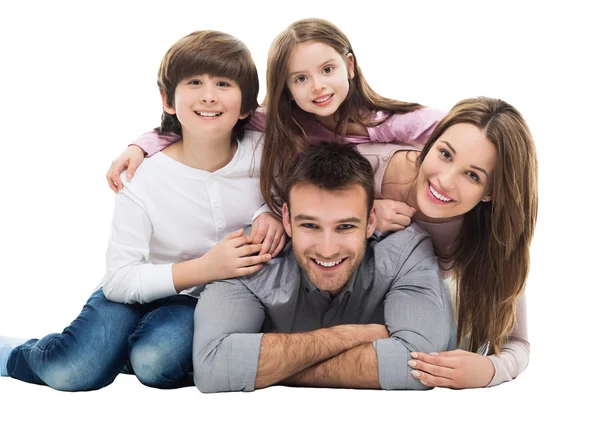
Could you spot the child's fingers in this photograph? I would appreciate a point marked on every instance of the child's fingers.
(134, 162)
(279, 247)
(248, 249)
(236, 234)
(403, 209)
(249, 261)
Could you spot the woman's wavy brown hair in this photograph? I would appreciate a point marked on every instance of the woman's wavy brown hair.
(491, 260)
(208, 52)
(284, 137)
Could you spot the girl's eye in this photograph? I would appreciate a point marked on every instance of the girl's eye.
(328, 69)
(445, 154)
(473, 176)
(300, 78)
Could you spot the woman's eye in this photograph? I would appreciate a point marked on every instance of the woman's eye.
(473, 176)
(445, 153)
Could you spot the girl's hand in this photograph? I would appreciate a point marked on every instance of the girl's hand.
(268, 230)
(392, 215)
(234, 256)
(456, 369)
(130, 159)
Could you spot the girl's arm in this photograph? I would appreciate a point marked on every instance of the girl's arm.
(146, 144)
(413, 128)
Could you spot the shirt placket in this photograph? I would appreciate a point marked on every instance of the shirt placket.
(216, 206)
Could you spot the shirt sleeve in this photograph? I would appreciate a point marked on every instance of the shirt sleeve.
(151, 142)
(264, 208)
(257, 120)
(227, 341)
(418, 316)
(412, 128)
(130, 277)
(514, 354)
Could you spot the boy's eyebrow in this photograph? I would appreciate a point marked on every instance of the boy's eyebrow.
(472, 166)
(304, 71)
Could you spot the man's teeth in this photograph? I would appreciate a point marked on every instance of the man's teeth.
(438, 195)
(328, 264)
(324, 99)
(209, 113)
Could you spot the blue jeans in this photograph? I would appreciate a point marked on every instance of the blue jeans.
(154, 340)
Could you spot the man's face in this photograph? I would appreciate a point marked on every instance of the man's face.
(328, 231)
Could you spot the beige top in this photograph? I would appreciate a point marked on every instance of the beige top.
(514, 354)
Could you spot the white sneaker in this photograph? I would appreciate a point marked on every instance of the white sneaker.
(7, 344)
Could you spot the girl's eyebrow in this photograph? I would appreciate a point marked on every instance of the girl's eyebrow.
(472, 166)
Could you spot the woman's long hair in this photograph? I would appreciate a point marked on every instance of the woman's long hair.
(284, 137)
(491, 260)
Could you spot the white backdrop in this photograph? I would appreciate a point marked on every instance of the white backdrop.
(78, 84)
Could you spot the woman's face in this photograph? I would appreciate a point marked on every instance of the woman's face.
(457, 173)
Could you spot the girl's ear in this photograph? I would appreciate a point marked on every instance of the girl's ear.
(170, 110)
(350, 64)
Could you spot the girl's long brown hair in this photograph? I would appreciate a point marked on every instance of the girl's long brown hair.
(491, 260)
(284, 137)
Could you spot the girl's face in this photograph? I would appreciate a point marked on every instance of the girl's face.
(457, 172)
(318, 77)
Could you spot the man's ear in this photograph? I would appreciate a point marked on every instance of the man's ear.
(372, 222)
(170, 110)
(285, 212)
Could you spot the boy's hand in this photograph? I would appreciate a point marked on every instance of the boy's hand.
(231, 257)
(392, 215)
(268, 230)
(130, 159)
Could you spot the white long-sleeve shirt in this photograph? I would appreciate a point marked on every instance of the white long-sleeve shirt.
(169, 213)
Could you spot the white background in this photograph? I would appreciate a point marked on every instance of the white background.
(79, 83)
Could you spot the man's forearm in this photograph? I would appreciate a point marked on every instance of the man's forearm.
(283, 355)
(354, 369)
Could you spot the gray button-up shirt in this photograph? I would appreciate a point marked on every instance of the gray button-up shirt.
(397, 284)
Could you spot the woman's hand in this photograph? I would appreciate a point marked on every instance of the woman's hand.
(268, 230)
(130, 159)
(392, 215)
(456, 369)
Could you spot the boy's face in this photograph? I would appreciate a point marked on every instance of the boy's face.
(207, 105)
(328, 231)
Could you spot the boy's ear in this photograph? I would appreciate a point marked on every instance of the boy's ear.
(244, 115)
(170, 110)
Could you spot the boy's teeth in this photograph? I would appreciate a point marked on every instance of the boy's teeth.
(438, 195)
(328, 264)
(208, 113)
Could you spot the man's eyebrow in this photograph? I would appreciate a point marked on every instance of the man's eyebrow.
(304, 217)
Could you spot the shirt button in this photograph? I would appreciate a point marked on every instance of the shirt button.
(216, 204)
(208, 181)
(220, 225)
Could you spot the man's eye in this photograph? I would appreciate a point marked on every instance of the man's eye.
(346, 227)
(308, 225)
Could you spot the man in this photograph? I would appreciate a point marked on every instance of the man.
(337, 308)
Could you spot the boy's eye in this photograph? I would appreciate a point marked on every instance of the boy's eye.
(223, 84)
(195, 82)
(328, 69)
(300, 78)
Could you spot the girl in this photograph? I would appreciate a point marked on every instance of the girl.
(163, 246)
(474, 188)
